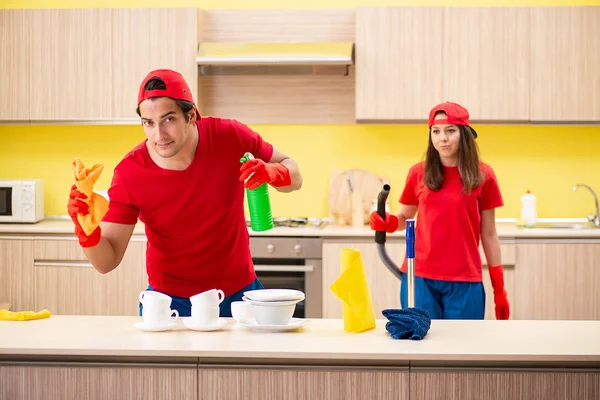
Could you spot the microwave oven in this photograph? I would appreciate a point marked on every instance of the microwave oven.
(21, 200)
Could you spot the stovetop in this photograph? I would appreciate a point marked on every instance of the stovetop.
(296, 222)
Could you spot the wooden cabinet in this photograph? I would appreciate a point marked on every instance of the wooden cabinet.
(558, 280)
(486, 61)
(86, 65)
(508, 384)
(509, 260)
(66, 283)
(398, 62)
(73, 381)
(501, 63)
(145, 39)
(327, 383)
(15, 56)
(383, 285)
(16, 273)
(565, 64)
(71, 64)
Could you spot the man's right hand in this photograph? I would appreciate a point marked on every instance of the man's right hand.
(76, 206)
(378, 224)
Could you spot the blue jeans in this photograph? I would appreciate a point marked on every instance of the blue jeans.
(184, 306)
(446, 299)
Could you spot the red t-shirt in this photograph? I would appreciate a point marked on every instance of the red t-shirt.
(448, 227)
(194, 219)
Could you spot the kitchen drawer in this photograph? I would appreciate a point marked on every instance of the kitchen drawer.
(508, 251)
(58, 249)
(279, 247)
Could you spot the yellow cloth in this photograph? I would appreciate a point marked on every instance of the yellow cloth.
(85, 178)
(6, 315)
(353, 289)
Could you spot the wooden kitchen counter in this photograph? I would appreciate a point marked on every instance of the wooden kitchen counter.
(321, 341)
(75, 357)
(506, 230)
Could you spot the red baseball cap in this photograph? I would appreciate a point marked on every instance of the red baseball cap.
(455, 115)
(176, 87)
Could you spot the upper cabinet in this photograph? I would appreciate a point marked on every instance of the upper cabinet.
(277, 92)
(85, 65)
(565, 64)
(398, 62)
(486, 61)
(505, 64)
(510, 64)
(71, 64)
(146, 39)
(15, 55)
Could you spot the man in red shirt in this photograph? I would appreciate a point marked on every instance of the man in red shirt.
(186, 184)
(455, 195)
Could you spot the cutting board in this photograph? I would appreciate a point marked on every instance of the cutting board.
(351, 196)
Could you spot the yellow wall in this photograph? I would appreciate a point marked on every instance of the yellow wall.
(547, 160)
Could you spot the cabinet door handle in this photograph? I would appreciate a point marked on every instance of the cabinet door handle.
(65, 263)
(284, 268)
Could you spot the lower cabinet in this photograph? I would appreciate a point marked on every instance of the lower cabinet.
(324, 383)
(98, 382)
(558, 280)
(67, 284)
(16, 273)
(504, 385)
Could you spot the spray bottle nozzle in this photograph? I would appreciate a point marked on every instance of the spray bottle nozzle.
(247, 156)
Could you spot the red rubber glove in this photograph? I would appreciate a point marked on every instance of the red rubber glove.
(75, 207)
(378, 224)
(500, 299)
(275, 174)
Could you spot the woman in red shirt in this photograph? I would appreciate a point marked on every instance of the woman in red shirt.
(454, 195)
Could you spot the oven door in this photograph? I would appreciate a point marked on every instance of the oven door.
(297, 274)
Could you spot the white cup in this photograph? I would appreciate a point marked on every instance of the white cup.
(241, 310)
(210, 298)
(156, 310)
(205, 316)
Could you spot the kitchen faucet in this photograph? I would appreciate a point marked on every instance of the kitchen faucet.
(593, 218)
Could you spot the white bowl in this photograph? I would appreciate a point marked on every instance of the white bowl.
(241, 310)
(274, 295)
(271, 303)
(273, 313)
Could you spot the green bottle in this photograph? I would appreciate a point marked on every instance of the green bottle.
(259, 204)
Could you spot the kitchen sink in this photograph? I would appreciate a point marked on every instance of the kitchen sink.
(566, 225)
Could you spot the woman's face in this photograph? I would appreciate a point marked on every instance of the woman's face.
(445, 139)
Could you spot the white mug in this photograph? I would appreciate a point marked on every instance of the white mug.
(205, 316)
(210, 298)
(241, 310)
(158, 316)
(156, 308)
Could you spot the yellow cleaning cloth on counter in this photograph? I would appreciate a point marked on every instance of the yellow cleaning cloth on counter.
(353, 289)
(6, 315)
(85, 178)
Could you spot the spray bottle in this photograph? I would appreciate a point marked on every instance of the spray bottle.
(259, 204)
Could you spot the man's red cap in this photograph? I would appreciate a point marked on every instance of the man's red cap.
(176, 87)
(455, 115)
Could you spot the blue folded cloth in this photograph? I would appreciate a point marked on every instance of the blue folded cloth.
(410, 323)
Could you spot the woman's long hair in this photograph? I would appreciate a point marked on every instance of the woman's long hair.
(468, 163)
